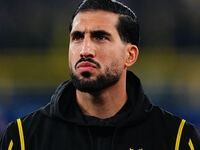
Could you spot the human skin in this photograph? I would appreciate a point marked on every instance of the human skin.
(94, 34)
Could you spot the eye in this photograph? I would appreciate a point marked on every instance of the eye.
(76, 36)
(100, 35)
(100, 38)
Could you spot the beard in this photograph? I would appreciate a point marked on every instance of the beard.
(102, 81)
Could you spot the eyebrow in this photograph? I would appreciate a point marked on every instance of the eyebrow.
(93, 33)
(100, 33)
(75, 33)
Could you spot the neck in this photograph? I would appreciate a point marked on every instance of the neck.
(105, 103)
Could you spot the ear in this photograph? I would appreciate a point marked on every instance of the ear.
(132, 53)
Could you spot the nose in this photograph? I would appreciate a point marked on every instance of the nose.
(87, 49)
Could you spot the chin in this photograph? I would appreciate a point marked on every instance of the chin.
(86, 74)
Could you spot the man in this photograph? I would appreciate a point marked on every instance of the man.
(103, 106)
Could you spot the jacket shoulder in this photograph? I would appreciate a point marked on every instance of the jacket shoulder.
(190, 137)
(25, 124)
(10, 136)
(186, 135)
(165, 118)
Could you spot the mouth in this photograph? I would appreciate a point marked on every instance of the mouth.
(86, 66)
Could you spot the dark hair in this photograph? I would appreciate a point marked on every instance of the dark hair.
(127, 27)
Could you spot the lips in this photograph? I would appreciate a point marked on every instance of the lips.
(86, 66)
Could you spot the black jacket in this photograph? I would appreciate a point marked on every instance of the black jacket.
(139, 125)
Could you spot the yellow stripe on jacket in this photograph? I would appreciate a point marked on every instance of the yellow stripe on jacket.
(21, 134)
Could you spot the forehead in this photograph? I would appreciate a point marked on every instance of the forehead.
(95, 20)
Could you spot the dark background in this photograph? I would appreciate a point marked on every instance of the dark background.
(34, 47)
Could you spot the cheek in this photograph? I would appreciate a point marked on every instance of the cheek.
(119, 60)
(72, 57)
(72, 51)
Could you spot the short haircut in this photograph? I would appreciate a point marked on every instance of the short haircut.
(127, 27)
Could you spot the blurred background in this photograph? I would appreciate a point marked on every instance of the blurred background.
(34, 47)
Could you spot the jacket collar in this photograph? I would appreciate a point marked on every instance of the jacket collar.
(63, 104)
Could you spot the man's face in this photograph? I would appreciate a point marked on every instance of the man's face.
(96, 52)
